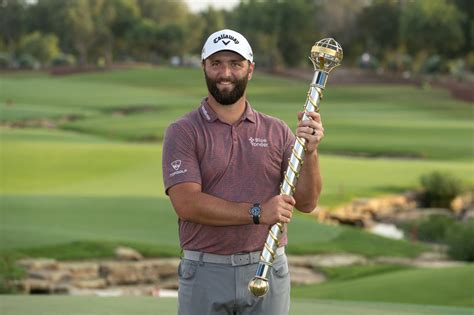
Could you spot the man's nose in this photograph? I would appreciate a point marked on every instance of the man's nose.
(226, 70)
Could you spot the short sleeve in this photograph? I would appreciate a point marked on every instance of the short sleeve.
(180, 162)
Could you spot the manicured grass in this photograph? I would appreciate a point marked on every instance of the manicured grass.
(46, 305)
(37, 221)
(372, 120)
(64, 163)
(447, 286)
(38, 225)
(345, 273)
(55, 162)
(79, 191)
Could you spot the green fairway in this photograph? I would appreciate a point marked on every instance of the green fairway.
(372, 120)
(42, 305)
(43, 221)
(57, 162)
(93, 179)
(446, 286)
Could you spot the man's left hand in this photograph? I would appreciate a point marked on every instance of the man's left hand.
(311, 129)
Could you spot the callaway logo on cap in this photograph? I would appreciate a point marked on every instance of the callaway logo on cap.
(227, 40)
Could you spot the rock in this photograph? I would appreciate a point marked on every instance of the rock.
(426, 260)
(468, 214)
(336, 260)
(302, 275)
(387, 230)
(463, 202)
(364, 212)
(38, 264)
(147, 271)
(421, 213)
(393, 260)
(81, 270)
(127, 253)
(90, 284)
(117, 273)
(53, 276)
(167, 267)
(37, 286)
(326, 260)
(170, 283)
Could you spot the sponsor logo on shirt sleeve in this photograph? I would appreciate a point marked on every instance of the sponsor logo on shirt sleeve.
(176, 165)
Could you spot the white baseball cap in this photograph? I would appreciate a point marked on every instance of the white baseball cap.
(227, 40)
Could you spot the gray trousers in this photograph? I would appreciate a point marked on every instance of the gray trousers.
(208, 288)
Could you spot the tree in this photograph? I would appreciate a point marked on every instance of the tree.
(48, 16)
(378, 27)
(127, 15)
(296, 17)
(278, 30)
(170, 40)
(338, 19)
(467, 8)
(164, 12)
(80, 24)
(141, 39)
(43, 47)
(193, 40)
(12, 22)
(213, 21)
(432, 27)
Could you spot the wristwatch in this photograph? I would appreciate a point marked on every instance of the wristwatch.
(255, 212)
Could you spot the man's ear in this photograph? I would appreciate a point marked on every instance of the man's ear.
(251, 69)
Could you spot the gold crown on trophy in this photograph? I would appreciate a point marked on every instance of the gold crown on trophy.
(326, 54)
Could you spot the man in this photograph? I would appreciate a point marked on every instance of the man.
(220, 161)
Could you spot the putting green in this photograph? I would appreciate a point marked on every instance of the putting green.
(47, 305)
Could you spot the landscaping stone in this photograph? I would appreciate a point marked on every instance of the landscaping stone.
(127, 253)
(81, 270)
(302, 275)
(326, 260)
(38, 264)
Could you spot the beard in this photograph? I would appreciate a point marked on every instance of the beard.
(227, 97)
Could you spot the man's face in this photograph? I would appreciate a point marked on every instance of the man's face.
(227, 74)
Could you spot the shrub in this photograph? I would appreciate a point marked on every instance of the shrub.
(63, 60)
(27, 61)
(9, 272)
(6, 60)
(440, 189)
(43, 47)
(460, 238)
(431, 229)
(432, 64)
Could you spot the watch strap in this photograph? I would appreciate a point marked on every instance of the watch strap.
(256, 218)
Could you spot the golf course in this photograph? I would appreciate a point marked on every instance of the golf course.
(81, 174)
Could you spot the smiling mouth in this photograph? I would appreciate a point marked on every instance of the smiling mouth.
(225, 84)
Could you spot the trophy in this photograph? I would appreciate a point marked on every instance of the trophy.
(325, 55)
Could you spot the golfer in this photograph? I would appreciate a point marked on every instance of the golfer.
(222, 167)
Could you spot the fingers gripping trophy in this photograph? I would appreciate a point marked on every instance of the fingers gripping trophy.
(325, 55)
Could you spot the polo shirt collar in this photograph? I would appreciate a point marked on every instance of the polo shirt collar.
(249, 113)
(210, 115)
(207, 112)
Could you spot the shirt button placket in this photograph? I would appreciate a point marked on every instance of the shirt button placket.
(234, 134)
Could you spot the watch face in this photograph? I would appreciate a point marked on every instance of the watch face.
(255, 211)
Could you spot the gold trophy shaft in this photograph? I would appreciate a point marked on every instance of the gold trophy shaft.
(259, 285)
(325, 55)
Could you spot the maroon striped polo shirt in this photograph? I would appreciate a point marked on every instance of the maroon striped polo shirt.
(242, 162)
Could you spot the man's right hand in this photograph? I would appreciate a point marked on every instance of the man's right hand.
(277, 209)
